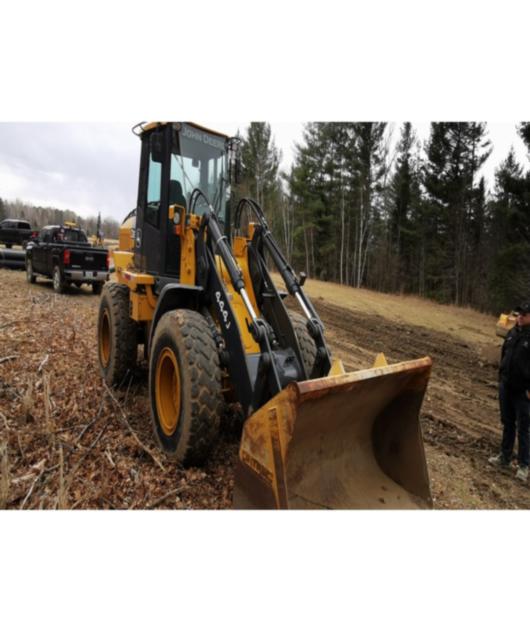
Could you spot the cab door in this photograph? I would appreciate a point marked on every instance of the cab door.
(152, 211)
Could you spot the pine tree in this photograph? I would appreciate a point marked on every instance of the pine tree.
(455, 153)
(261, 161)
(369, 160)
(509, 278)
(524, 132)
(404, 226)
(2, 210)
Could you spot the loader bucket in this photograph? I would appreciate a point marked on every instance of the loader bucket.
(339, 442)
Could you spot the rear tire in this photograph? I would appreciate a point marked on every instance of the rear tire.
(307, 345)
(59, 285)
(185, 387)
(117, 332)
(30, 276)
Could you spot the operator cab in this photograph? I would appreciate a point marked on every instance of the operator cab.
(176, 159)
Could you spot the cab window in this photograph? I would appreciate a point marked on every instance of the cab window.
(154, 190)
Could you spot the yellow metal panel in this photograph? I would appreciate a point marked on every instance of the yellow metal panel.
(126, 235)
(123, 260)
(187, 256)
(141, 309)
(240, 249)
(132, 279)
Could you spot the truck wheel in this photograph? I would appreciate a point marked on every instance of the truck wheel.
(9, 245)
(185, 386)
(96, 288)
(30, 276)
(59, 285)
(305, 341)
(117, 346)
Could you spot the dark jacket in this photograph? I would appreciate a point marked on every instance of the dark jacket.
(514, 369)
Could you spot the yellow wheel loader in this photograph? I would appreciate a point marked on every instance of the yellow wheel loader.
(194, 289)
(505, 323)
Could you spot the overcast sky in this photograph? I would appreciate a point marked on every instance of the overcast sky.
(91, 167)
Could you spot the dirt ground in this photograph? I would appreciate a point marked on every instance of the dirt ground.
(67, 441)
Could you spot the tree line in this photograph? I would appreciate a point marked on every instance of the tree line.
(40, 216)
(403, 217)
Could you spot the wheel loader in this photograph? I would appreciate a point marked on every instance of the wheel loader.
(194, 289)
(505, 323)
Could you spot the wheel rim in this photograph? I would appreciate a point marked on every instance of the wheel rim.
(56, 279)
(104, 339)
(167, 383)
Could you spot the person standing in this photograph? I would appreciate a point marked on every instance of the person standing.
(514, 394)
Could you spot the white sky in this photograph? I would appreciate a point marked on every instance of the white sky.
(92, 167)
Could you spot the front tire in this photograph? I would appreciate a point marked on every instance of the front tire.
(306, 343)
(30, 276)
(117, 333)
(185, 387)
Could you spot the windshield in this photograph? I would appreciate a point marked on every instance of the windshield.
(201, 164)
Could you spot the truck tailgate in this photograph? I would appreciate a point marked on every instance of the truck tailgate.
(89, 259)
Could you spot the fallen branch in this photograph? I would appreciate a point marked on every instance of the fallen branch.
(26, 498)
(136, 438)
(15, 321)
(4, 476)
(43, 363)
(91, 423)
(82, 458)
(9, 358)
(177, 490)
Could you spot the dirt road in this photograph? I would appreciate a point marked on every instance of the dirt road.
(72, 443)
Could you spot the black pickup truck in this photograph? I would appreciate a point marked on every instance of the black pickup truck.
(64, 254)
(15, 232)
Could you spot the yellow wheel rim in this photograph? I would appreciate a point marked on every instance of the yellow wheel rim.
(167, 383)
(104, 339)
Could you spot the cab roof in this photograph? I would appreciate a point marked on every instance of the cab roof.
(142, 127)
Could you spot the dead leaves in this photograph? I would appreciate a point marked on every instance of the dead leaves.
(68, 441)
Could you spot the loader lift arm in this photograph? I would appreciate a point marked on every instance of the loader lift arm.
(263, 238)
(274, 370)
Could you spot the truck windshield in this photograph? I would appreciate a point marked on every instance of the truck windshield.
(200, 164)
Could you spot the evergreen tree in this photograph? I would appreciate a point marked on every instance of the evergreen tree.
(404, 219)
(524, 132)
(369, 160)
(510, 237)
(2, 210)
(455, 153)
(261, 161)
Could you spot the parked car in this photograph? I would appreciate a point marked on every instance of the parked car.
(63, 253)
(16, 232)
